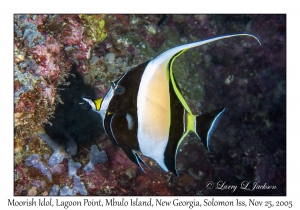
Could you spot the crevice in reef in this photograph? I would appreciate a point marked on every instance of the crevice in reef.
(69, 119)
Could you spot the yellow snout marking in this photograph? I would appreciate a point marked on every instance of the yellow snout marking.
(98, 103)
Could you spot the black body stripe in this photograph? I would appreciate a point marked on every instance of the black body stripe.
(121, 133)
(107, 122)
(122, 104)
(173, 57)
(176, 130)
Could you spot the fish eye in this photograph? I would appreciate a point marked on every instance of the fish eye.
(119, 90)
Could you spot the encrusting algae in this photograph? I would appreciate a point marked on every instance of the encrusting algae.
(94, 27)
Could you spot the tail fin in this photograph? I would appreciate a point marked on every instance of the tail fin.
(205, 124)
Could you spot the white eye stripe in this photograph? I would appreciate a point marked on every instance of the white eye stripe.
(115, 84)
(107, 98)
(105, 102)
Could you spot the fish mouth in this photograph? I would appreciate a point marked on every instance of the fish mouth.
(85, 105)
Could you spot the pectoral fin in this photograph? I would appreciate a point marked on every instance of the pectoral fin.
(134, 157)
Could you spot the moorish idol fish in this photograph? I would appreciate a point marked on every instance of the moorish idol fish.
(145, 111)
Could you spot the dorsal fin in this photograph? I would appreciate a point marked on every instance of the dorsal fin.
(167, 55)
(167, 58)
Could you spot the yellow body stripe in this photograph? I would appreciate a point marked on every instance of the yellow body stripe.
(189, 126)
(178, 93)
(190, 122)
(190, 118)
(98, 103)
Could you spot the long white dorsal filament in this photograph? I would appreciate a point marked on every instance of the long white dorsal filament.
(167, 55)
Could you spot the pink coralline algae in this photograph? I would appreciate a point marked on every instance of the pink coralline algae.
(41, 56)
(61, 149)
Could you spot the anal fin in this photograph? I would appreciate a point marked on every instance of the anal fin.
(205, 124)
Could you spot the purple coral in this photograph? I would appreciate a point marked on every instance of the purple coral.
(34, 160)
(95, 157)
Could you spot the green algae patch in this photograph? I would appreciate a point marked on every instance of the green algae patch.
(94, 26)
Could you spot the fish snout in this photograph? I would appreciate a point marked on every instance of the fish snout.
(85, 105)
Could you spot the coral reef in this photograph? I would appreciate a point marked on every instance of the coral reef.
(45, 46)
(61, 149)
(34, 160)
